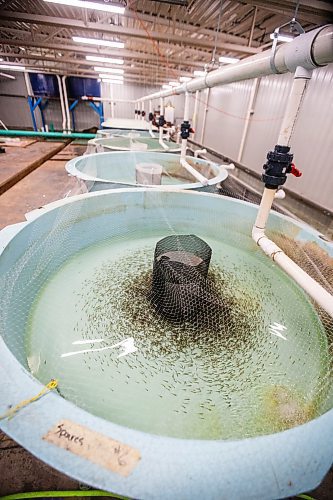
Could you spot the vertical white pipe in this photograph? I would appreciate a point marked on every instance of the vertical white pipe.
(112, 101)
(249, 112)
(204, 117)
(68, 124)
(28, 83)
(150, 106)
(195, 112)
(186, 118)
(300, 81)
(161, 114)
(62, 105)
(142, 109)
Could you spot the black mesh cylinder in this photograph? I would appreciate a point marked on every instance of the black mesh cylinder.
(179, 276)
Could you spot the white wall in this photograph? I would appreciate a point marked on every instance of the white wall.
(312, 142)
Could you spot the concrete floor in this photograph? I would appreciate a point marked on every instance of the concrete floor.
(19, 470)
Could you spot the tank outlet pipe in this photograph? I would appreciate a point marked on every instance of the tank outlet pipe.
(308, 50)
(161, 123)
(195, 112)
(47, 135)
(63, 111)
(278, 165)
(68, 124)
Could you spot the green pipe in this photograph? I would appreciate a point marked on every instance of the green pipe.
(53, 494)
(50, 135)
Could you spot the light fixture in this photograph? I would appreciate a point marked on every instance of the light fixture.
(184, 79)
(107, 80)
(90, 5)
(199, 73)
(1, 59)
(114, 77)
(282, 38)
(102, 69)
(166, 87)
(110, 60)
(12, 68)
(173, 84)
(97, 41)
(228, 60)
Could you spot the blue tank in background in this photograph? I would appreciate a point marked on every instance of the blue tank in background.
(44, 85)
(78, 87)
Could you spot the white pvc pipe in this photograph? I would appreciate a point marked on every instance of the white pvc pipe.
(106, 99)
(308, 50)
(150, 121)
(68, 124)
(194, 172)
(249, 112)
(199, 152)
(204, 117)
(62, 105)
(28, 83)
(195, 112)
(160, 140)
(186, 118)
(314, 290)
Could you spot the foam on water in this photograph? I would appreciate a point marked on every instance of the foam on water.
(254, 370)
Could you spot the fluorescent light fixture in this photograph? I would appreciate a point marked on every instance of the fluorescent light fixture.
(102, 69)
(13, 68)
(110, 60)
(97, 41)
(107, 80)
(199, 73)
(166, 87)
(174, 84)
(184, 79)
(1, 59)
(114, 77)
(90, 5)
(228, 60)
(282, 38)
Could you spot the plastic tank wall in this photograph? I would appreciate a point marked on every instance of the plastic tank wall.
(313, 136)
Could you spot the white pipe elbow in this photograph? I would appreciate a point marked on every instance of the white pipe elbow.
(199, 152)
(162, 143)
(203, 180)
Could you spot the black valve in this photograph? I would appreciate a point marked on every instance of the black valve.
(139, 112)
(135, 111)
(151, 116)
(185, 129)
(161, 121)
(143, 113)
(278, 165)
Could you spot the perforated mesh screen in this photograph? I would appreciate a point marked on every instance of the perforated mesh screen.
(240, 351)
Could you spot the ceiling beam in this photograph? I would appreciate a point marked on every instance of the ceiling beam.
(179, 25)
(100, 28)
(312, 11)
(79, 49)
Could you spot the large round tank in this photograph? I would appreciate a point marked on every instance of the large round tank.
(118, 132)
(119, 169)
(133, 143)
(237, 407)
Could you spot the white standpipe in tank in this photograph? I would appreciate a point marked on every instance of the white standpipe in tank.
(150, 119)
(316, 291)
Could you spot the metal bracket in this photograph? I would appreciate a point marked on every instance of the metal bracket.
(294, 26)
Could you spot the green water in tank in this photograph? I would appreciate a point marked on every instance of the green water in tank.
(257, 368)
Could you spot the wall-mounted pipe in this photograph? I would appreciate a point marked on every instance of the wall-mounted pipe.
(203, 126)
(308, 50)
(62, 104)
(195, 112)
(50, 135)
(249, 112)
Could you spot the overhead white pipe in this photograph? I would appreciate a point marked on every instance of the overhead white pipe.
(249, 112)
(308, 50)
(68, 124)
(62, 105)
(106, 99)
(160, 140)
(314, 289)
